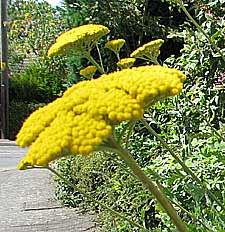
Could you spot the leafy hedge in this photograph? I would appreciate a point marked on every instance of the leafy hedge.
(36, 83)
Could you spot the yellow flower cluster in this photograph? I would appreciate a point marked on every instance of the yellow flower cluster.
(125, 63)
(115, 45)
(89, 71)
(84, 116)
(150, 50)
(80, 39)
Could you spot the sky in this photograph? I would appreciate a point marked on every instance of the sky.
(53, 2)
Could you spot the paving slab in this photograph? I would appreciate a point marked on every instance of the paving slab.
(27, 201)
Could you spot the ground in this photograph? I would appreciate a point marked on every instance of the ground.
(27, 199)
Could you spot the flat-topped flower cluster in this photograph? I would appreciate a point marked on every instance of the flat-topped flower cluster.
(89, 71)
(115, 45)
(79, 39)
(149, 50)
(85, 115)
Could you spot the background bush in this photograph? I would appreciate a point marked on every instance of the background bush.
(34, 79)
(36, 83)
(18, 112)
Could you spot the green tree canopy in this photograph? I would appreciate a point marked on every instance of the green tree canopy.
(33, 26)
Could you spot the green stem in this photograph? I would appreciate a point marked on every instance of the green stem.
(214, 130)
(118, 56)
(89, 197)
(183, 165)
(156, 62)
(201, 30)
(183, 209)
(162, 199)
(149, 59)
(129, 127)
(100, 57)
(163, 189)
(144, 20)
(93, 61)
(130, 130)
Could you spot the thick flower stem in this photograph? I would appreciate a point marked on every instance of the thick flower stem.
(162, 199)
(89, 197)
(183, 165)
(184, 210)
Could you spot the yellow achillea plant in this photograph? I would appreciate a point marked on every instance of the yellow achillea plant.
(89, 71)
(81, 39)
(84, 117)
(149, 51)
(115, 45)
(125, 63)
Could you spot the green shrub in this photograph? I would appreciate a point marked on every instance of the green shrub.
(18, 112)
(202, 63)
(36, 83)
(109, 181)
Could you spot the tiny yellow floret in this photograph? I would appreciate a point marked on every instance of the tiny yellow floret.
(86, 114)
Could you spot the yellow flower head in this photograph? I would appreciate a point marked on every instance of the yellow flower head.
(126, 63)
(84, 116)
(79, 39)
(149, 51)
(115, 45)
(89, 71)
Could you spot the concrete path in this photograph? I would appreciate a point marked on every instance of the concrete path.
(27, 201)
